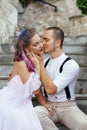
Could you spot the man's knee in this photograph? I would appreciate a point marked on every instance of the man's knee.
(82, 125)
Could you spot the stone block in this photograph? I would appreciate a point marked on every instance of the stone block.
(8, 20)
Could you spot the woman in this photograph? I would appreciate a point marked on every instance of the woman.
(16, 110)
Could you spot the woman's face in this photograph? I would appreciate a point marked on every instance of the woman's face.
(36, 45)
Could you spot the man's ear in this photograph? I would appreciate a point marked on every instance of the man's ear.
(58, 43)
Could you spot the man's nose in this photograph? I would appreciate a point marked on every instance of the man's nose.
(41, 44)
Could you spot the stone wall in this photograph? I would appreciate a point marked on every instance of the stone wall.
(8, 20)
(40, 16)
(68, 16)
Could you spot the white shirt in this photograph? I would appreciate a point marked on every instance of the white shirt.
(68, 76)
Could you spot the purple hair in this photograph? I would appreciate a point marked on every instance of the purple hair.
(23, 41)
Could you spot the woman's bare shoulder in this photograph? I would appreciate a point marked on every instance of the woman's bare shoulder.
(19, 63)
(20, 66)
(22, 70)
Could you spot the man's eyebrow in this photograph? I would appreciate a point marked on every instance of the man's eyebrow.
(45, 38)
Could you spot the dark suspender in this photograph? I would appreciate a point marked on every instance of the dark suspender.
(66, 88)
(47, 62)
(61, 69)
(45, 66)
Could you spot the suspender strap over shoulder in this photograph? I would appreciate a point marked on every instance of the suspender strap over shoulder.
(67, 91)
(47, 62)
(61, 67)
(66, 88)
(45, 66)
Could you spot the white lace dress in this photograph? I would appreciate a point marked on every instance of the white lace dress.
(16, 109)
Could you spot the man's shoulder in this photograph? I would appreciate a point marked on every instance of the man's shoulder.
(72, 64)
(71, 59)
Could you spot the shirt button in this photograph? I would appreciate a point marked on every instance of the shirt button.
(56, 97)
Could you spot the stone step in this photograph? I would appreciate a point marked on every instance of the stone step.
(73, 41)
(80, 40)
(71, 49)
(75, 49)
(79, 58)
(83, 68)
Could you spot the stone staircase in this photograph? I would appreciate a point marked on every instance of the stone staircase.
(75, 47)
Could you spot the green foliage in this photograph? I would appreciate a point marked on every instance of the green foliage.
(82, 4)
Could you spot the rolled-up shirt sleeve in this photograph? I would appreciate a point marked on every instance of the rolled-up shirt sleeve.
(70, 72)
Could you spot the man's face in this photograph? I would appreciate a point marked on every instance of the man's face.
(36, 45)
(48, 41)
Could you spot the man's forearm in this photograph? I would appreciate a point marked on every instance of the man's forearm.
(47, 82)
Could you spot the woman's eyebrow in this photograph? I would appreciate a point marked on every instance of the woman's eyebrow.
(37, 42)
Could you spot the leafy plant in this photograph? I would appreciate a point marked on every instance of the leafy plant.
(82, 4)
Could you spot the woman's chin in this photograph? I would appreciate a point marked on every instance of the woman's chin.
(41, 54)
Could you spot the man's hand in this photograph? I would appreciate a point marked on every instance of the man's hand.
(33, 59)
(9, 76)
(36, 60)
(50, 109)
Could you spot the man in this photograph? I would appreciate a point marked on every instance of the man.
(59, 80)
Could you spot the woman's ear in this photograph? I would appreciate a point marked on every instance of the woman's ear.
(26, 49)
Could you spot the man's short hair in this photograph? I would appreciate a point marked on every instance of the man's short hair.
(57, 34)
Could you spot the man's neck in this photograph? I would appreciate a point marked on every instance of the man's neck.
(56, 54)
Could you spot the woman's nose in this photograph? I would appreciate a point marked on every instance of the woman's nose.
(41, 44)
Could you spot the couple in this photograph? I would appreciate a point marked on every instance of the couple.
(58, 78)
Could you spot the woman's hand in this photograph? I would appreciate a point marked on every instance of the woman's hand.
(9, 76)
